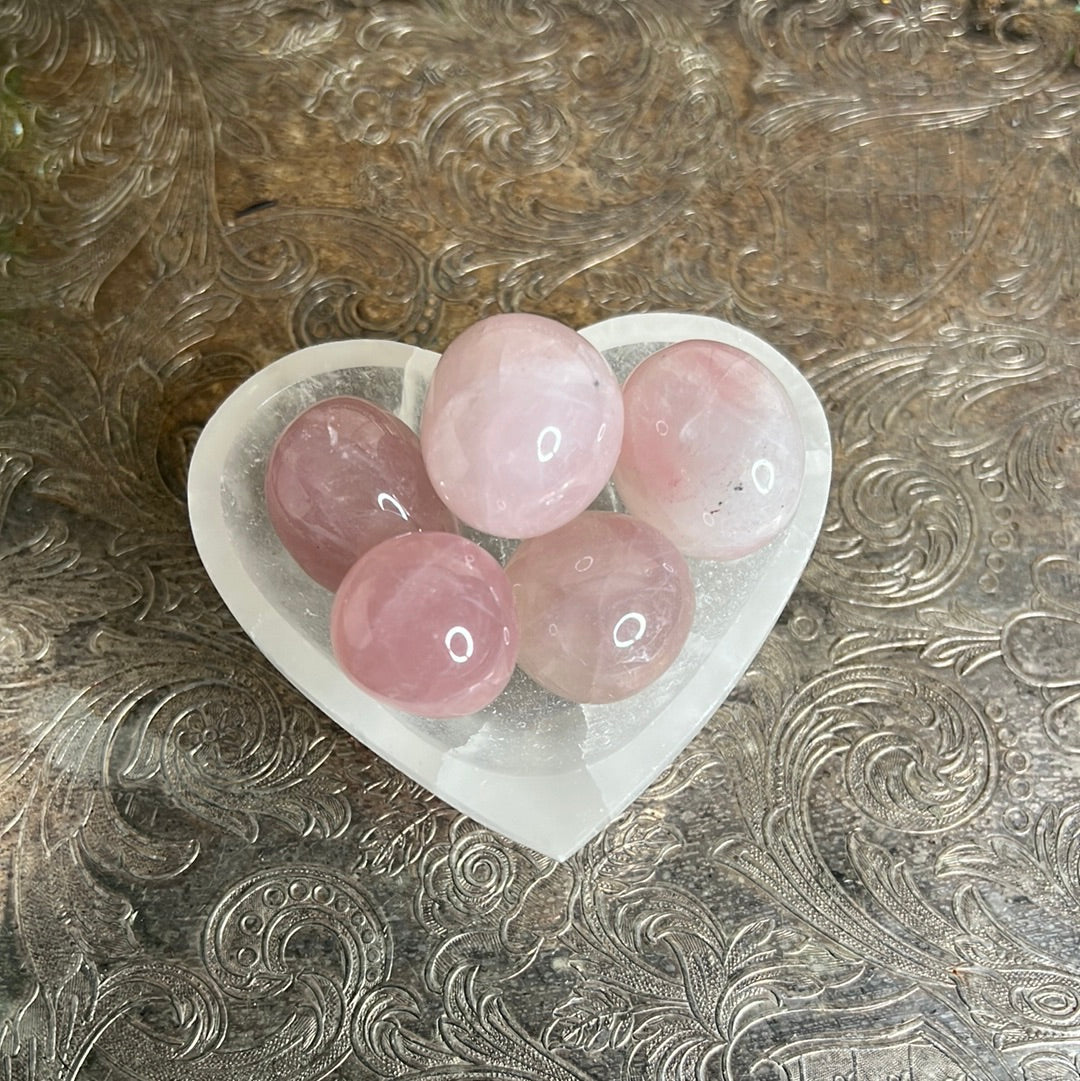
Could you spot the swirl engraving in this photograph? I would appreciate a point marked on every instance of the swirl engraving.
(302, 942)
(1043, 457)
(484, 898)
(228, 750)
(939, 752)
(860, 721)
(254, 936)
(1038, 645)
(900, 533)
(919, 756)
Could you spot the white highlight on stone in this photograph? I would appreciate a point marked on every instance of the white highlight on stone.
(763, 474)
(635, 635)
(554, 438)
(462, 655)
(387, 502)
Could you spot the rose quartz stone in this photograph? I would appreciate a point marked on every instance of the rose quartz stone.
(712, 450)
(425, 622)
(521, 426)
(343, 476)
(604, 604)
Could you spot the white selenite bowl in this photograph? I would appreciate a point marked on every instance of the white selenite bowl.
(539, 770)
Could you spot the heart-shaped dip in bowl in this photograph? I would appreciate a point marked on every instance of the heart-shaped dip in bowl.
(545, 772)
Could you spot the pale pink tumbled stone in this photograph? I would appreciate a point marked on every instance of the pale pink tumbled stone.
(712, 450)
(521, 426)
(604, 604)
(343, 476)
(425, 622)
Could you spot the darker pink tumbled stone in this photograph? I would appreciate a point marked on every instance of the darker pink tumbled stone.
(344, 476)
(425, 622)
(605, 605)
(712, 451)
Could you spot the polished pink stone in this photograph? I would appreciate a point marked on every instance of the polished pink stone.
(425, 622)
(712, 450)
(522, 425)
(604, 603)
(343, 476)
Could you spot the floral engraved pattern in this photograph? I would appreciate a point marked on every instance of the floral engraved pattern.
(912, 27)
(867, 865)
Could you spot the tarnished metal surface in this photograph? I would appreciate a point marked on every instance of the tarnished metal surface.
(868, 864)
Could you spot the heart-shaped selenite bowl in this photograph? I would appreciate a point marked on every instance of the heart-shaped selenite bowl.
(531, 766)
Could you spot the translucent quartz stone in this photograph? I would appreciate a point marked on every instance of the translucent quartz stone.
(604, 603)
(522, 425)
(425, 622)
(712, 450)
(343, 476)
